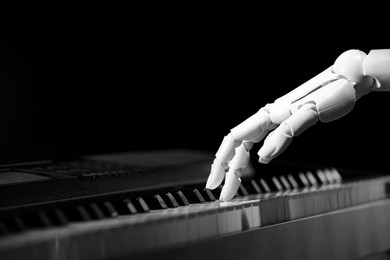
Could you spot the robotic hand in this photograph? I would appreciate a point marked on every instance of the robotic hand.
(326, 97)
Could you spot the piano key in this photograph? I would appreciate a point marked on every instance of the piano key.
(312, 179)
(238, 216)
(322, 177)
(243, 190)
(281, 211)
(97, 211)
(207, 222)
(285, 182)
(336, 175)
(264, 185)
(161, 202)
(192, 224)
(60, 216)
(209, 194)
(257, 222)
(329, 176)
(181, 227)
(183, 198)
(130, 206)
(247, 216)
(83, 213)
(44, 219)
(198, 196)
(142, 203)
(293, 182)
(222, 221)
(230, 216)
(264, 211)
(277, 184)
(3, 228)
(272, 210)
(172, 200)
(255, 186)
(110, 209)
(304, 179)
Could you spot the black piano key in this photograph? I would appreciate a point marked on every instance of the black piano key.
(44, 219)
(172, 200)
(19, 223)
(255, 186)
(264, 185)
(210, 195)
(293, 182)
(322, 177)
(243, 190)
(183, 198)
(161, 202)
(97, 211)
(284, 182)
(60, 216)
(143, 205)
(305, 182)
(217, 191)
(312, 180)
(199, 196)
(277, 184)
(110, 209)
(3, 228)
(130, 206)
(83, 213)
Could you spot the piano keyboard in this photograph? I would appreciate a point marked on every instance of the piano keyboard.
(118, 225)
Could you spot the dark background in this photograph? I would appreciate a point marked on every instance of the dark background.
(140, 84)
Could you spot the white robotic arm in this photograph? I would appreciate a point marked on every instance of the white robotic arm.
(326, 97)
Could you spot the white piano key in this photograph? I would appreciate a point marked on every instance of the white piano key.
(281, 212)
(341, 197)
(256, 214)
(273, 210)
(333, 199)
(231, 219)
(247, 216)
(237, 216)
(222, 221)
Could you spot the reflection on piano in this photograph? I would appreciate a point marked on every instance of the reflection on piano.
(153, 204)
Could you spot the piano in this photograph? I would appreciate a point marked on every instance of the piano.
(153, 205)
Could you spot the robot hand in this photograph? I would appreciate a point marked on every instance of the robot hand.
(326, 97)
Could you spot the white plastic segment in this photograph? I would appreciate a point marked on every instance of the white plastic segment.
(232, 178)
(281, 137)
(232, 183)
(280, 109)
(377, 65)
(350, 65)
(331, 101)
(255, 128)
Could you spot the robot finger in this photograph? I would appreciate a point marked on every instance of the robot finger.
(277, 141)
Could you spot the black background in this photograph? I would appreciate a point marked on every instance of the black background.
(155, 82)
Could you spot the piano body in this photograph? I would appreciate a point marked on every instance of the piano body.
(150, 205)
